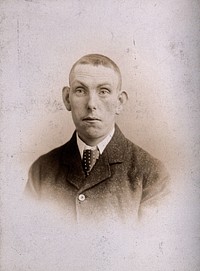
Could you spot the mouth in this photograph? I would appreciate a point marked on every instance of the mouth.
(91, 119)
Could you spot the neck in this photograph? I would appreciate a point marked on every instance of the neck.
(94, 141)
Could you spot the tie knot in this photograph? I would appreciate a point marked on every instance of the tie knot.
(89, 159)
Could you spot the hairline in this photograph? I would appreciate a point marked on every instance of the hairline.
(98, 60)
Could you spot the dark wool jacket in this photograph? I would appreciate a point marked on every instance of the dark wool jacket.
(124, 179)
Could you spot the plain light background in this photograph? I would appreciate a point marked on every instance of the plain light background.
(156, 46)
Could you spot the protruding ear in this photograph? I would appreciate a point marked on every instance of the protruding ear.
(122, 99)
(65, 95)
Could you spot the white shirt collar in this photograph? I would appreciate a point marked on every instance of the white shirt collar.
(101, 146)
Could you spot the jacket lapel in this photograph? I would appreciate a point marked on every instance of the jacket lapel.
(113, 153)
(73, 164)
(100, 172)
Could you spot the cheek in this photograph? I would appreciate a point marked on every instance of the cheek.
(111, 106)
(77, 104)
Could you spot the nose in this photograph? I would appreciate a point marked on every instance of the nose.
(92, 101)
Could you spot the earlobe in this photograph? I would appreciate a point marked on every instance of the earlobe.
(122, 99)
(65, 95)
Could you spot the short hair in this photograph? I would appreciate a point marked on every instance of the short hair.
(97, 60)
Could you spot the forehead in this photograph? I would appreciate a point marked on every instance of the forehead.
(94, 74)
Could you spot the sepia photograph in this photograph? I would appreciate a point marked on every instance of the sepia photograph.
(100, 110)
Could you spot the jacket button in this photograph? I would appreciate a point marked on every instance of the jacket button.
(81, 197)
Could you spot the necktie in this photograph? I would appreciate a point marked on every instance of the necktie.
(90, 157)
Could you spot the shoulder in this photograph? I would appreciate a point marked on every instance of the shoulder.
(55, 156)
(50, 157)
(53, 159)
(142, 158)
(47, 166)
(150, 167)
(134, 154)
(139, 162)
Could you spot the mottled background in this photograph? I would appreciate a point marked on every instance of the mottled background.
(156, 45)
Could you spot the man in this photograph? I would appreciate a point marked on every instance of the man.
(98, 174)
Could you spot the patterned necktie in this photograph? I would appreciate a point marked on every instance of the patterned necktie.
(90, 157)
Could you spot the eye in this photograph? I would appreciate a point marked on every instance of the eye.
(104, 91)
(80, 91)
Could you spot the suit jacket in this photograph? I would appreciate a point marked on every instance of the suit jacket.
(124, 179)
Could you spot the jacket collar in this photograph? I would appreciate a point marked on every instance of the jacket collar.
(113, 153)
(116, 147)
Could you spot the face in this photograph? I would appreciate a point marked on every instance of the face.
(94, 100)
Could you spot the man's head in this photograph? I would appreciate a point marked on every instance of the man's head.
(94, 96)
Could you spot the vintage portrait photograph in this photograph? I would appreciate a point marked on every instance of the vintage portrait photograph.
(100, 124)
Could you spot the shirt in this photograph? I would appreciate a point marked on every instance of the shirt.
(101, 146)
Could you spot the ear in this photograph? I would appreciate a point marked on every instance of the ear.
(122, 99)
(65, 95)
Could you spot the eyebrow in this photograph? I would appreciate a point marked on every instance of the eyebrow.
(100, 85)
(103, 85)
(79, 82)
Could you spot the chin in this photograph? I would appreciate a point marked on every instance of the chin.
(93, 133)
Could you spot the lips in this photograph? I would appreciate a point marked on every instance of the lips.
(91, 119)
